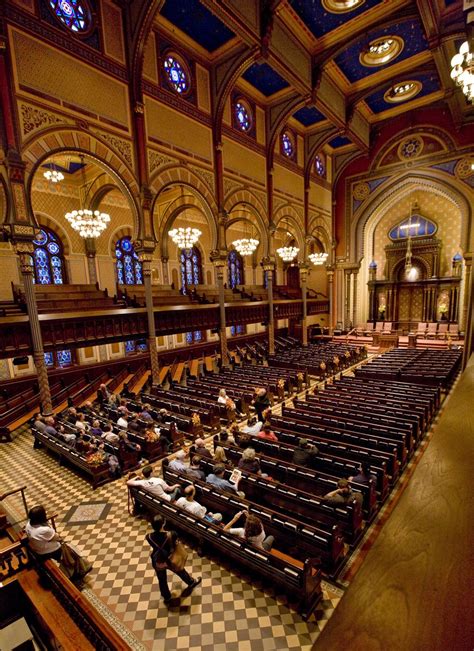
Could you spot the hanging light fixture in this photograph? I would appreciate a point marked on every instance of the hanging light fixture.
(318, 258)
(411, 272)
(246, 245)
(88, 223)
(462, 71)
(288, 253)
(53, 175)
(185, 238)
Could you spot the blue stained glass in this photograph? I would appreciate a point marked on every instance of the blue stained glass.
(64, 357)
(49, 359)
(53, 247)
(128, 265)
(191, 268)
(242, 116)
(197, 335)
(176, 74)
(235, 268)
(237, 330)
(142, 347)
(41, 239)
(189, 337)
(42, 267)
(287, 145)
(56, 266)
(129, 347)
(73, 14)
(319, 166)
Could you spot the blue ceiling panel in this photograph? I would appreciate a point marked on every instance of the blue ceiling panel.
(339, 141)
(264, 79)
(192, 18)
(70, 169)
(413, 36)
(319, 21)
(377, 103)
(308, 116)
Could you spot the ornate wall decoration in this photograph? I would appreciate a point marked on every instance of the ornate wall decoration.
(463, 169)
(157, 159)
(361, 191)
(206, 176)
(230, 186)
(121, 146)
(21, 212)
(33, 118)
(410, 148)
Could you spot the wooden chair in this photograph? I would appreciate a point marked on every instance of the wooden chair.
(379, 326)
(387, 326)
(432, 330)
(453, 330)
(369, 329)
(442, 331)
(421, 330)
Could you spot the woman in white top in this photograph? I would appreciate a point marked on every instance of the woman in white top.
(224, 399)
(253, 531)
(42, 538)
(81, 423)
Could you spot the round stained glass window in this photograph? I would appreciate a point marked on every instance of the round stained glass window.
(243, 116)
(287, 145)
(41, 238)
(73, 14)
(177, 74)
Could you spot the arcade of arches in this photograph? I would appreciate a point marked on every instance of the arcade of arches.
(246, 120)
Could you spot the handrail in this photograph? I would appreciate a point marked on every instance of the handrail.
(13, 492)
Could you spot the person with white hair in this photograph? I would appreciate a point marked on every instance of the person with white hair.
(178, 464)
(201, 450)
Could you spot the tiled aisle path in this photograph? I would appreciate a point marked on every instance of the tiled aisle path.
(225, 612)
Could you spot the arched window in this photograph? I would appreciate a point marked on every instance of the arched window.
(235, 266)
(288, 144)
(242, 115)
(191, 269)
(319, 166)
(129, 268)
(48, 259)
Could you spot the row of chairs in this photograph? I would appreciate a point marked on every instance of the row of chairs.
(437, 330)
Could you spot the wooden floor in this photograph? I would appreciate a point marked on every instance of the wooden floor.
(414, 589)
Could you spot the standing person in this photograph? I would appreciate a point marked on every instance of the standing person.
(163, 543)
(261, 403)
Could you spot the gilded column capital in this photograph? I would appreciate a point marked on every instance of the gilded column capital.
(268, 263)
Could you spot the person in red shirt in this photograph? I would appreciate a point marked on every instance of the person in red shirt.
(267, 434)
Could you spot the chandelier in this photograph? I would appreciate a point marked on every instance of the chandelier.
(246, 246)
(463, 70)
(185, 238)
(318, 258)
(288, 253)
(88, 223)
(53, 175)
(411, 272)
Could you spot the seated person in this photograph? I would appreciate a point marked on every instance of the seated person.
(110, 436)
(123, 408)
(103, 395)
(43, 540)
(164, 436)
(201, 450)
(71, 415)
(83, 446)
(364, 475)
(162, 416)
(248, 462)
(267, 433)
(133, 424)
(253, 426)
(122, 422)
(96, 429)
(226, 437)
(178, 463)
(126, 393)
(58, 431)
(154, 485)
(224, 399)
(96, 455)
(194, 471)
(145, 414)
(304, 453)
(188, 503)
(220, 457)
(125, 443)
(39, 423)
(87, 409)
(81, 423)
(252, 531)
(217, 479)
(343, 494)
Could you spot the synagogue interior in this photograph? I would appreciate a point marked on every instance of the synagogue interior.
(236, 324)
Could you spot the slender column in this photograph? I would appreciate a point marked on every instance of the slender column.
(354, 299)
(467, 293)
(304, 269)
(152, 347)
(165, 271)
(468, 313)
(269, 267)
(219, 265)
(90, 254)
(347, 298)
(25, 251)
(330, 273)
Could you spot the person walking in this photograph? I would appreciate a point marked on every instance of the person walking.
(163, 544)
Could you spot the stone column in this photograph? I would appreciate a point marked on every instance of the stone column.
(152, 347)
(468, 312)
(354, 300)
(219, 263)
(304, 270)
(166, 271)
(25, 251)
(269, 267)
(90, 254)
(330, 272)
(347, 298)
(467, 293)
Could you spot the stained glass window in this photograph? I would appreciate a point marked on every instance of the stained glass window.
(49, 359)
(319, 166)
(287, 145)
(141, 346)
(191, 269)
(177, 74)
(128, 266)
(73, 14)
(243, 115)
(194, 337)
(129, 347)
(237, 330)
(48, 259)
(59, 358)
(235, 267)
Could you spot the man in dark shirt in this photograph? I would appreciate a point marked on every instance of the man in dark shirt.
(364, 475)
(201, 450)
(304, 453)
(343, 494)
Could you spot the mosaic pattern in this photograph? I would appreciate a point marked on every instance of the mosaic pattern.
(87, 513)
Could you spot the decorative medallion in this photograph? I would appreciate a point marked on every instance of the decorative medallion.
(463, 169)
(381, 50)
(361, 191)
(341, 6)
(410, 148)
(403, 91)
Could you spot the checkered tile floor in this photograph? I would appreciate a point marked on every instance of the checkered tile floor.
(226, 612)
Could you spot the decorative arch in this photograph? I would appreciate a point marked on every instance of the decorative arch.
(116, 235)
(417, 260)
(389, 193)
(48, 258)
(54, 140)
(252, 209)
(182, 175)
(45, 220)
(289, 214)
(318, 229)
